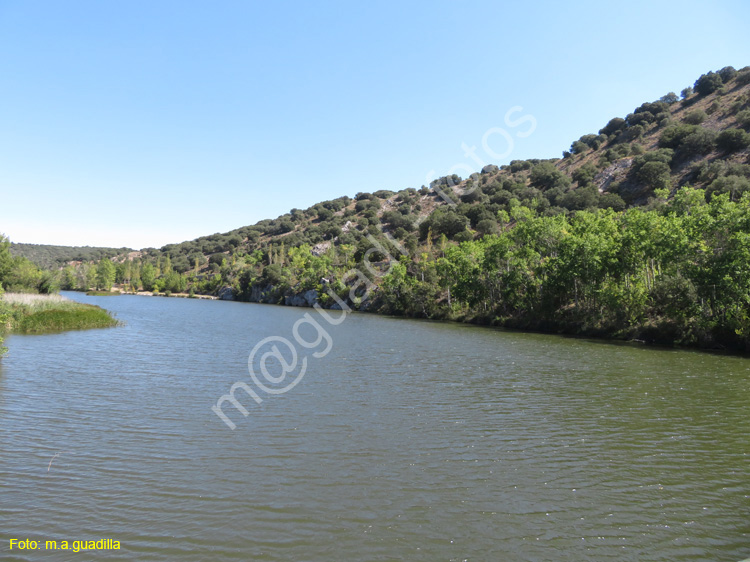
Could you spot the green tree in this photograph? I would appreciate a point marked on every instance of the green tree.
(735, 186)
(6, 260)
(148, 276)
(708, 83)
(105, 275)
(656, 175)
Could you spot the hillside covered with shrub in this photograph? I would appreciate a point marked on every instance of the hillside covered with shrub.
(640, 230)
(49, 256)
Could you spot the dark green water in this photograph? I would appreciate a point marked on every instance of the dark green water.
(408, 441)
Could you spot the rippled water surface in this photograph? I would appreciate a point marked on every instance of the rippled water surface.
(408, 441)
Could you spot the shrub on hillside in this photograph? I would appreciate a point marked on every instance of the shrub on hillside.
(708, 83)
(611, 201)
(702, 141)
(614, 126)
(727, 73)
(743, 77)
(656, 175)
(695, 117)
(546, 176)
(733, 140)
(688, 139)
(584, 175)
(581, 198)
(578, 147)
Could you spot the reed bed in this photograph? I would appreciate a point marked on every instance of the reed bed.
(35, 314)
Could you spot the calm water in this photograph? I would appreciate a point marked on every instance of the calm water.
(408, 441)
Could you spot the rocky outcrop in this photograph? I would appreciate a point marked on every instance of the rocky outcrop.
(320, 248)
(261, 294)
(308, 298)
(615, 171)
(226, 294)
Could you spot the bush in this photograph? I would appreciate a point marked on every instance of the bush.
(695, 117)
(743, 118)
(734, 185)
(727, 73)
(631, 133)
(670, 98)
(686, 92)
(652, 107)
(614, 126)
(688, 139)
(655, 175)
(593, 141)
(708, 83)
(446, 222)
(674, 135)
(663, 116)
(464, 236)
(581, 198)
(584, 175)
(397, 220)
(643, 118)
(487, 226)
(733, 140)
(578, 147)
(611, 201)
(702, 141)
(743, 77)
(546, 176)
(519, 165)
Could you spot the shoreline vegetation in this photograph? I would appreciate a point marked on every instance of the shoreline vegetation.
(114, 291)
(25, 313)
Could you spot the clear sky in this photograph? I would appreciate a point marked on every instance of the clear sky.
(142, 123)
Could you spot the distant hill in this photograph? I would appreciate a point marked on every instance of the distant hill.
(52, 257)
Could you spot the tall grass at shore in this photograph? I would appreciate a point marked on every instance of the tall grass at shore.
(35, 314)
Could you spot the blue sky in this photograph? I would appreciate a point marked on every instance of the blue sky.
(143, 123)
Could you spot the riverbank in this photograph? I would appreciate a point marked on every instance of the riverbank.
(119, 291)
(660, 331)
(38, 314)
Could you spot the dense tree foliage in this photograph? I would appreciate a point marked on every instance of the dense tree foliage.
(18, 274)
(675, 274)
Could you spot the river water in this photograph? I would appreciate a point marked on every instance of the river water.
(408, 441)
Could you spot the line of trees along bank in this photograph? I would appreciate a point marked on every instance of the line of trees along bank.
(679, 273)
(675, 272)
(153, 275)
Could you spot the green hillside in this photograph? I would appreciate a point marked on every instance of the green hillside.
(48, 256)
(640, 230)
